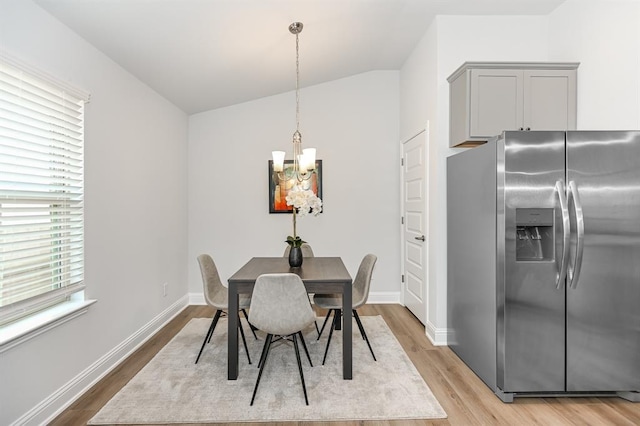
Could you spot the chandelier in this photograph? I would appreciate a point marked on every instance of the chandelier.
(304, 160)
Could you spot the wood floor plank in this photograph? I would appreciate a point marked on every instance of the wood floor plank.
(465, 398)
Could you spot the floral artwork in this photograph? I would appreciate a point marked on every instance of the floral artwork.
(280, 184)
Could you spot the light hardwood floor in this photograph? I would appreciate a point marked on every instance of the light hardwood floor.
(463, 396)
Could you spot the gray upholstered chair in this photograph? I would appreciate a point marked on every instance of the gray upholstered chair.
(360, 294)
(217, 296)
(280, 307)
(306, 250)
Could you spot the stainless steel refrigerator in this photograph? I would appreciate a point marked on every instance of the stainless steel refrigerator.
(544, 262)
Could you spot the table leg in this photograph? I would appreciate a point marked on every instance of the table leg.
(232, 341)
(339, 320)
(347, 307)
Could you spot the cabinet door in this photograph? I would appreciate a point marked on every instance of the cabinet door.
(496, 101)
(549, 99)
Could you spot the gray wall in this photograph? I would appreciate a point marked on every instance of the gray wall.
(604, 36)
(135, 212)
(353, 124)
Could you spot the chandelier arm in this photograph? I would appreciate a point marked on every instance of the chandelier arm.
(299, 177)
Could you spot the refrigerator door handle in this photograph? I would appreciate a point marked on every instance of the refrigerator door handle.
(566, 228)
(574, 272)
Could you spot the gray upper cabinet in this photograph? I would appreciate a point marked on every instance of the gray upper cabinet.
(487, 98)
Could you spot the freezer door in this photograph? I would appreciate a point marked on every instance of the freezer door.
(531, 296)
(603, 301)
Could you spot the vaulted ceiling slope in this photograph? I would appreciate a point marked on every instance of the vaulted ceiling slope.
(208, 54)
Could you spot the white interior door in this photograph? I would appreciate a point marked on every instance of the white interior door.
(414, 220)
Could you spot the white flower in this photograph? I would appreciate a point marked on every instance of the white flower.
(304, 200)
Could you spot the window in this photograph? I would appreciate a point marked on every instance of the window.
(41, 191)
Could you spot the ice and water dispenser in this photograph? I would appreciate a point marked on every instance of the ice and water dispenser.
(534, 235)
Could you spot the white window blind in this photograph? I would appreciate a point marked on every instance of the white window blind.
(41, 191)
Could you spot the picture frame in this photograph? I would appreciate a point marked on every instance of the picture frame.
(278, 189)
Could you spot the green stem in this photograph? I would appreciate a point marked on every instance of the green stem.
(294, 223)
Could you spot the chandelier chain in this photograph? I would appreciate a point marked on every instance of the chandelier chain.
(304, 163)
(297, 85)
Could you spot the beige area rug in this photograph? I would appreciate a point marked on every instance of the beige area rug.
(172, 389)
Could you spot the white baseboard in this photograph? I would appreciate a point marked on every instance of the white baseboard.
(382, 297)
(57, 402)
(437, 336)
(196, 299)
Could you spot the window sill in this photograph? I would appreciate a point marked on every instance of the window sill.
(25, 329)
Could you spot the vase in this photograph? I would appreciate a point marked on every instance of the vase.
(295, 257)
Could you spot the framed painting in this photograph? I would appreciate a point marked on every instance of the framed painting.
(281, 183)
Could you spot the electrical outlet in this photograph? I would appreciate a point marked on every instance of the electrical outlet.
(164, 289)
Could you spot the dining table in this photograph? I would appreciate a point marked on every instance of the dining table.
(321, 275)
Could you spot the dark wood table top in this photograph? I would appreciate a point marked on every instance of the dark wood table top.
(313, 270)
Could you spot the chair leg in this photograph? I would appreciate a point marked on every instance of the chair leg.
(304, 345)
(253, 329)
(355, 314)
(244, 340)
(314, 322)
(360, 327)
(304, 388)
(220, 315)
(207, 338)
(263, 360)
(324, 323)
(262, 355)
(333, 326)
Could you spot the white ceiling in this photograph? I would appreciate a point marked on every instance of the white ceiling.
(207, 54)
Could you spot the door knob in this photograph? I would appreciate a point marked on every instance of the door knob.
(421, 238)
